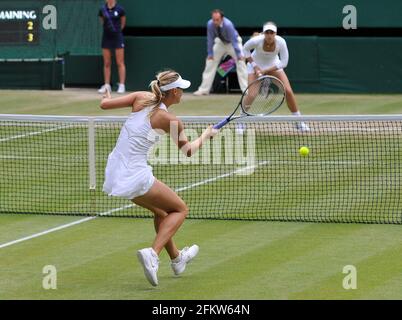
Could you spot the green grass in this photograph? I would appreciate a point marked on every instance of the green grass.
(238, 259)
(86, 102)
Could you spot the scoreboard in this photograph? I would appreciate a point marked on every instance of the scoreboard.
(46, 29)
(19, 27)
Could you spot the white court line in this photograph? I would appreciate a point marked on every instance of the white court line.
(34, 133)
(194, 185)
(222, 176)
(106, 213)
(320, 162)
(64, 158)
(64, 226)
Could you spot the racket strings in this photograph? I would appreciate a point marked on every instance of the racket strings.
(263, 97)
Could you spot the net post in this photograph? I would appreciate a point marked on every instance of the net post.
(91, 154)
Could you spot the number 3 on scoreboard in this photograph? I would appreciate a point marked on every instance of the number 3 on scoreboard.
(30, 37)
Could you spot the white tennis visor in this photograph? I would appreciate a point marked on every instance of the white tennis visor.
(179, 83)
(269, 26)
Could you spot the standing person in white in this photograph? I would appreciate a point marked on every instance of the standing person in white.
(222, 39)
(128, 175)
(268, 54)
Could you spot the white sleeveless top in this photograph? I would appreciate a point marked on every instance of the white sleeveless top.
(127, 172)
(136, 138)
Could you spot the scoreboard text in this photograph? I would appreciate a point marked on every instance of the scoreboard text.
(19, 27)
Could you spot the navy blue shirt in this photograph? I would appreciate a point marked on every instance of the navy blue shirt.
(111, 18)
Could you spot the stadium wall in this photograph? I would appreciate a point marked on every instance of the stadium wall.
(37, 75)
(288, 13)
(325, 58)
(317, 64)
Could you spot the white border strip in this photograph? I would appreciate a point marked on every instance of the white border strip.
(206, 119)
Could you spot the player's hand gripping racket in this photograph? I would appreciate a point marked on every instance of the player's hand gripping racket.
(262, 97)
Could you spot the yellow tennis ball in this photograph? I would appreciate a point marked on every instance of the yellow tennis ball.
(304, 151)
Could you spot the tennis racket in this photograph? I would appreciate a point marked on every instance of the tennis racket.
(262, 97)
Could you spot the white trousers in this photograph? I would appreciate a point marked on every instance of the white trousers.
(219, 50)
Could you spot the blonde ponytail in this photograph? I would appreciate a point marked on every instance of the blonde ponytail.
(162, 79)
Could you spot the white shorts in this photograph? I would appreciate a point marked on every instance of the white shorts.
(250, 69)
(126, 182)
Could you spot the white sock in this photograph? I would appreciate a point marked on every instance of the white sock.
(297, 113)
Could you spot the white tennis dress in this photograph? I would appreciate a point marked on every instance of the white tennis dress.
(127, 172)
(264, 59)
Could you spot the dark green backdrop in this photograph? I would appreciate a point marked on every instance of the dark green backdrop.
(317, 64)
(289, 13)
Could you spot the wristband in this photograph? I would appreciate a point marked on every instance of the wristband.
(253, 64)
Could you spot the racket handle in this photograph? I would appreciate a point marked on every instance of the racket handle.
(221, 124)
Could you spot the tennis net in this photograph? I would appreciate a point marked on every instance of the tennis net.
(252, 170)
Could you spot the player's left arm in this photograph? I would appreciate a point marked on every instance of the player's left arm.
(123, 22)
(123, 19)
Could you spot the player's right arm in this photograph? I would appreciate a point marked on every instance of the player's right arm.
(247, 48)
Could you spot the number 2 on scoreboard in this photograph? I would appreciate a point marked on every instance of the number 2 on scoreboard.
(30, 25)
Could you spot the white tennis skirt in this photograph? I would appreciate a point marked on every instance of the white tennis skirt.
(126, 182)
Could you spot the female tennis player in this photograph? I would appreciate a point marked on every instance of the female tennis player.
(127, 174)
(113, 18)
(269, 57)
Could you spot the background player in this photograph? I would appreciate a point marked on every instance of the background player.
(268, 54)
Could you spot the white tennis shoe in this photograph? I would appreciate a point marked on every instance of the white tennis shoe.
(240, 128)
(121, 89)
(200, 93)
(150, 262)
(104, 88)
(185, 256)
